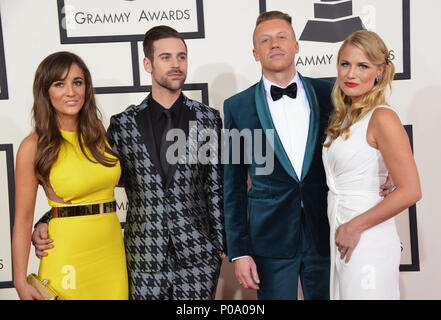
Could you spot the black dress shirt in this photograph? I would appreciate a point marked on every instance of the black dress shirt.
(159, 119)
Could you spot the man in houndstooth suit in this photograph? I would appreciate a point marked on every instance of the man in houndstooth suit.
(174, 229)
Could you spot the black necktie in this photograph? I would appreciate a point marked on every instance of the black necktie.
(164, 143)
(290, 91)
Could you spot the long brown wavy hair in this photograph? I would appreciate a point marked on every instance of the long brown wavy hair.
(91, 133)
(376, 51)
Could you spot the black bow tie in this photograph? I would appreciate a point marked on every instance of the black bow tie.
(290, 91)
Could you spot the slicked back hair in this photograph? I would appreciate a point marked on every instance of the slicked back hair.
(158, 33)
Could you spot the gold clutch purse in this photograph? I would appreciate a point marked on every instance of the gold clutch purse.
(42, 287)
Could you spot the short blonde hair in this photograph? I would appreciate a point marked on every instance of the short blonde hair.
(272, 15)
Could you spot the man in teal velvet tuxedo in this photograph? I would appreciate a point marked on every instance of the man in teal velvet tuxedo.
(278, 230)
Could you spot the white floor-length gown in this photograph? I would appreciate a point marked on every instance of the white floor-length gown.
(354, 173)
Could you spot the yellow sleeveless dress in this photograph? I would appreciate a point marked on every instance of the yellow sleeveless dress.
(88, 260)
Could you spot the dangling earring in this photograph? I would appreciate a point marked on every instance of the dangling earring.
(378, 79)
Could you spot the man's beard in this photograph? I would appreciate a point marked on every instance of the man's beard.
(172, 85)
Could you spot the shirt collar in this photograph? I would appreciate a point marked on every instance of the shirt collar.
(267, 84)
(157, 109)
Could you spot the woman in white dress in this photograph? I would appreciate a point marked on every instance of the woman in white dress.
(366, 141)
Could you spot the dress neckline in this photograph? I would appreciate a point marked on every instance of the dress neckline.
(67, 132)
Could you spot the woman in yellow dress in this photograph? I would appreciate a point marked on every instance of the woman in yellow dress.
(68, 154)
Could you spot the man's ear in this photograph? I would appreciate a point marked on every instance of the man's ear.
(148, 65)
(256, 55)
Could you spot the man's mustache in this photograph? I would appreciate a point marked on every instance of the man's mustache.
(176, 71)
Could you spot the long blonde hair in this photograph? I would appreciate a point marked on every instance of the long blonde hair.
(345, 113)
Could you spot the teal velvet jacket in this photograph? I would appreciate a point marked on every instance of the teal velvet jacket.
(266, 219)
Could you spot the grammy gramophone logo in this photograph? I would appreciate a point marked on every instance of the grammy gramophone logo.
(333, 22)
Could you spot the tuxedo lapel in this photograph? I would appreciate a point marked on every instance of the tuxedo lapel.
(187, 115)
(314, 122)
(144, 122)
(267, 123)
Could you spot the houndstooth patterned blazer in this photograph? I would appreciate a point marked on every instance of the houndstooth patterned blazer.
(185, 208)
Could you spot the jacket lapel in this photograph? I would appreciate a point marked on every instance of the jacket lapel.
(314, 122)
(144, 122)
(187, 115)
(267, 123)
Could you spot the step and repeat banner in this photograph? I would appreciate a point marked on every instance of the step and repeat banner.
(91, 22)
(108, 35)
(321, 26)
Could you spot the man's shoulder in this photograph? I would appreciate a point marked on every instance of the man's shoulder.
(243, 95)
(201, 107)
(323, 90)
(130, 111)
(319, 84)
(126, 113)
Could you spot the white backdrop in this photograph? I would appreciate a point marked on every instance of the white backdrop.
(221, 64)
